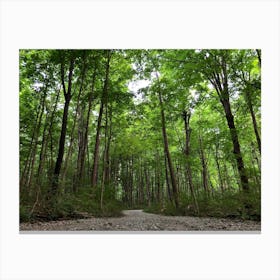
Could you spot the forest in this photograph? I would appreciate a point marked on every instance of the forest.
(172, 131)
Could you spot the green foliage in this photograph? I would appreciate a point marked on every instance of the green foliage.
(85, 203)
(222, 205)
(131, 130)
(24, 213)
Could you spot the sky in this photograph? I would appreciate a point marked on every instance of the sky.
(135, 86)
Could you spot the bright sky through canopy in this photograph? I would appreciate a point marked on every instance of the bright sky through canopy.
(135, 87)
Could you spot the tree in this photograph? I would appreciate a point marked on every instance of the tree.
(218, 76)
(170, 131)
(67, 92)
(100, 115)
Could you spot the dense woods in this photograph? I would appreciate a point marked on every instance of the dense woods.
(176, 132)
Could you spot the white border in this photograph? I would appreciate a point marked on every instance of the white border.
(135, 24)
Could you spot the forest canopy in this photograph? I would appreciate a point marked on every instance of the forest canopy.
(169, 131)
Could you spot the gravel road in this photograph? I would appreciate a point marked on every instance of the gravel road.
(137, 220)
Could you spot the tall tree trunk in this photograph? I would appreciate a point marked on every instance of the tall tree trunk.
(85, 136)
(81, 144)
(67, 96)
(236, 147)
(30, 177)
(45, 140)
(249, 103)
(104, 156)
(167, 153)
(141, 184)
(97, 137)
(166, 146)
(148, 186)
(167, 179)
(204, 167)
(107, 150)
(157, 176)
(131, 181)
(259, 57)
(186, 118)
(72, 134)
(25, 174)
(219, 168)
(220, 82)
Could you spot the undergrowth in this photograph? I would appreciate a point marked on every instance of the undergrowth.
(84, 203)
(221, 205)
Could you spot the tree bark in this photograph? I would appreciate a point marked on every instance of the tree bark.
(97, 137)
(186, 118)
(67, 96)
(167, 153)
(220, 83)
(104, 157)
(148, 187)
(249, 103)
(45, 140)
(259, 57)
(85, 136)
(72, 134)
(167, 179)
(108, 144)
(204, 167)
(236, 146)
(165, 141)
(33, 157)
(219, 168)
(25, 174)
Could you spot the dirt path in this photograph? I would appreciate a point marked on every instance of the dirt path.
(137, 220)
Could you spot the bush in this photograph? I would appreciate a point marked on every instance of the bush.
(24, 214)
(64, 207)
(84, 203)
(222, 205)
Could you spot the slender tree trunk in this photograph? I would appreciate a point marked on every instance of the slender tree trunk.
(131, 186)
(67, 96)
(167, 179)
(97, 137)
(25, 173)
(42, 150)
(257, 170)
(167, 153)
(85, 136)
(46, 135)
(166, 148)
(104, 156)
(236, 147)
(259, 57)
(204, 167)
(157, 177)
(33, 158)
(148, 186)
(81, 144)
(61, 147)
(186, 118)
(107, 147)
(250, 106)
(221, 86)
(45, 140)
(219, 168)
(141, 184)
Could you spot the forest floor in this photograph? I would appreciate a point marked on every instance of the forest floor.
(137, 220)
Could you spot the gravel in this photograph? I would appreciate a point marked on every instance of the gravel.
(137, 220)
